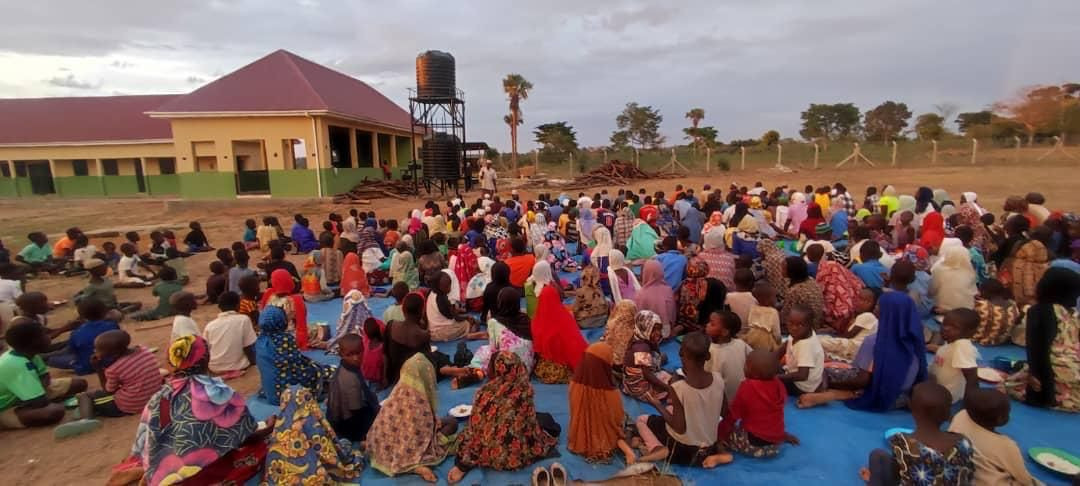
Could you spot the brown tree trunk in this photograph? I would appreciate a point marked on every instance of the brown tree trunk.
(513, 142)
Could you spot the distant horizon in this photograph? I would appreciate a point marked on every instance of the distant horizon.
(751, 67)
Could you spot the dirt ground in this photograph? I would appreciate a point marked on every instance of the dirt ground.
(35, 457)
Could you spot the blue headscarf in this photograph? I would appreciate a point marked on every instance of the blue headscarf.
(899, 341)
(279, 360)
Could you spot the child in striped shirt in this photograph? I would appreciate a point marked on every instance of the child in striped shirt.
(129, 377)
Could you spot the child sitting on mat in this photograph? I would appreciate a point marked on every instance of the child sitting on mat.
(754, 425)
(351, 406)
(727, 353)
(763, 320)
(997, 458)
(844, 345)
(163, 291)
(804, 363)
(954, 365)
(129, 377)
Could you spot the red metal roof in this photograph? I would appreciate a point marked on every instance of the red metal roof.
(83, 119)
(283, 81)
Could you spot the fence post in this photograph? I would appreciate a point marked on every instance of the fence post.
(536, 160)
(974, 149)
(637, 158)
(816, 153)
(708, 159)
(933, 156)
(779, 155)
(894, 153)
(571, 165)
(605, 156)
(1017, 151)
(743, 150)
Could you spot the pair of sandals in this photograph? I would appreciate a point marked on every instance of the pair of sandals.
(556, 476)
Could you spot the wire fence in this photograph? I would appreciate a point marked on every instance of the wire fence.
(804, 156)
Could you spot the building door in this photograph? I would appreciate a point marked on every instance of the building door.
(140, 178)
(41, 180)
(251, 181)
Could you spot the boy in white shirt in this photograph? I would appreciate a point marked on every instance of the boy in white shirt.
(727, 353)
(844, 345)
(954, 365)
(129, 271)
(805, 359)
(183, 325)
(231, 337)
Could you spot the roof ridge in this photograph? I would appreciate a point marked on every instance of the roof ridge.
(292, 62)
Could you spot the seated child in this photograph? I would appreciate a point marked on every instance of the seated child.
(843, 346)
(170, 240)
(928, 455)
(158, 246)
(84, 252)
(129, 377)
(281, 294)
(251, 240)
(393, 313)
(689, 426)
(183, 303)
(804, 362)
(231, 337)
(28, 394)
(754, 425)
(101, 289)
(814, 253)
(38, 255)
(727, 353)
(313, 283)
(954, 365)
(196, 240)
(131, 271)
(331, 259)
(163, 291)
(81, 344)
(112, 257)
(217, 283)
(241, 270)
(302, 236)
(374, 364)
(250, 292)
(871, 271)
(175, 260)
(266, 233)
(741, 300)
(763, 320)
(998, 314)
(997, 458)
(351, 406)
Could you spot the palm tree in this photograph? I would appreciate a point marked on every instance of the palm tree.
(517, 89)
(695, 115)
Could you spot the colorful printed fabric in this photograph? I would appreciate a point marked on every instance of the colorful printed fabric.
(691, 293)
(354, 313)
(187, 426)
(840, 288)
(1064, 363)
(620, 329)
(773, 262)
(1023, 269)
(304, 448)
(280, 362)
(809, 294)
(739, 441)
(503, 432)
(552, 373)
(466, 266)
(405, 433)
(590, 301)
(918, 464)
(643, 355)
(500, 338)
(996, 322)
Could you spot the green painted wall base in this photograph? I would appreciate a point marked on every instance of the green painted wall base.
(207, 185)
(121, 185)
(7, 187)
(293, 183)
(337, 181)
(79, 186)
(163, 184)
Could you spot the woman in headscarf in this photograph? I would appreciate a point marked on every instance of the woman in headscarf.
(887, 366)
(556, 337)
(586, 224)
(466, 266)
(904, 203)
(1051, 378)
(354, 313)
(889, 201)
(406, 436)
(505, 432)
(796, 213)
(802, 290)
(429, 263)
(932, 232)
(403, 269)
(371, 254)
(280, 295)
(445, 321)
(508, 329)
(557, 254)
(924, 204)
(971, 199)
(744, 240)
(596, 409)
(772, 263)
(813, 219)
(838, 222)
(721, 263)
(601, 256)
(313, 284)
(537, 228)
(968, 215)
(474, 292)
(941, 196)
(642, 242)
(624, 284)
(716, 220)
(952, 282)
(620, 329)
(839, 289)
(1025, 264)
(642, 376)
(415, 223)
(590, 308)
(499, 279)
(655, 295)
(624, 225)
(280, 362)
(196, 429)
(304, 447)
(691, 295)
(353, 276)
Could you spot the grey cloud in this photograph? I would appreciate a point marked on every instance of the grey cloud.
(195, 80)
(70, 81)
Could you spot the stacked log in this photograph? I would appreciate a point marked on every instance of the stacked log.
(367, 190)
(613, 173)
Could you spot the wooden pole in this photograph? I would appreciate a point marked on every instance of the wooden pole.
(894, 153)
(708, 159)
(933, 155)
(637, 158)
(817, 151)
(672, 160)
(974, 149)
(1016, 157)
(743, 151)
(571, 165)
(605, 156)
(536, 159)
(779, 155)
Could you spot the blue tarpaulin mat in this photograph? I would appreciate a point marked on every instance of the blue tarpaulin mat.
(835, 440)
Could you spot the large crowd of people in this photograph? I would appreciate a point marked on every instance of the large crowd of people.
(818, 295)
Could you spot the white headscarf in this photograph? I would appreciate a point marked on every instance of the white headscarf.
(952, 280)
(714, 239)
(455, 287)
(479, 281)
(603, 241)
(541, 276)
(971, 198)
(617, 260)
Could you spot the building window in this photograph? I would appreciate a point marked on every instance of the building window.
(20, 169)
(110, 167)
(80, 168)
(167, 165)
(5, 170)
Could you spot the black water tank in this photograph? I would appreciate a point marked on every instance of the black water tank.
(435, 75)
(441, 155)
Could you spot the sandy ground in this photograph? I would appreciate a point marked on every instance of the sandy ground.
(35, 457)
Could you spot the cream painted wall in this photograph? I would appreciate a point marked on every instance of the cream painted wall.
(223, 131)
(89, 152)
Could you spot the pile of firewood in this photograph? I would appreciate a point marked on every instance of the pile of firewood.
(368, 190)
(613, 173)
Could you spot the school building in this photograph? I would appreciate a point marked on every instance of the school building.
(281, 126)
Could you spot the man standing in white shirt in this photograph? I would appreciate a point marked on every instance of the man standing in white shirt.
(487, 177)
(231, 337)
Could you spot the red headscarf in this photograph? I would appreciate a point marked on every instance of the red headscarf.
(282, 285)
(353, 276)
(933, 231)
(466, 266)
(556, 335)
(813, 218)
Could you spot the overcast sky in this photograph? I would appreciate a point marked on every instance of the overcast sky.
(751, 65)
